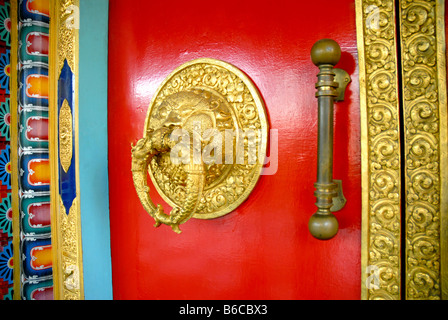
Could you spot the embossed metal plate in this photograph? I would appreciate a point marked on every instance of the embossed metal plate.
(220, 98)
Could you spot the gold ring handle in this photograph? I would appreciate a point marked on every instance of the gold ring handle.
(156, 142)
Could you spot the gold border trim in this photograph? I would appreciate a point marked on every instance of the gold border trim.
(441, 58)
(364, 148)
(425, 122)
(380, 150)
(66, 229)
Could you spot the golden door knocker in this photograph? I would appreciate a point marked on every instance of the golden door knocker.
(204, 143)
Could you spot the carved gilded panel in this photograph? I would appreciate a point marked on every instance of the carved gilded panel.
(68, 280)
(418, 165)
(380, 116)
(425, 122)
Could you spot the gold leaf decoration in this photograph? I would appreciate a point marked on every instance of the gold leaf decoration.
(66, 237)
(66, 45)
(380, 148)
(421, 107)
(70, 255)
(424, 201)
(65, 136)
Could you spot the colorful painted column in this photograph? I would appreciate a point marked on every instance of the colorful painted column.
(30, 150)
(45, 188)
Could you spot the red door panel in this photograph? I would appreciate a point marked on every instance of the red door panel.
(262, 250)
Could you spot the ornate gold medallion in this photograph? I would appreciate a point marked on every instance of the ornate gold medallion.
(204, 142)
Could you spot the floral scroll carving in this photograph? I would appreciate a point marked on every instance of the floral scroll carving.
(422, 148)
(381, 146)
(424, 126)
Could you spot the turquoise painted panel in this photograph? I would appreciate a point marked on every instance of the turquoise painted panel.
(93, 173)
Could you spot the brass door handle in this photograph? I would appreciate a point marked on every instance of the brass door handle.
(215, 102)
(330, 86)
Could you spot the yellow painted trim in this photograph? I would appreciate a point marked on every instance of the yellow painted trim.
(53, 151)
(76, 137)
(14, 149)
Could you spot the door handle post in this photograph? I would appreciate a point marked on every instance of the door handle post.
(325, 54)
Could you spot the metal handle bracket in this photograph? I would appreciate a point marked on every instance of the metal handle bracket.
(343, 79)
